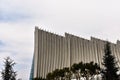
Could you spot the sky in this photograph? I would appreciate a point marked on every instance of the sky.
(84, 18)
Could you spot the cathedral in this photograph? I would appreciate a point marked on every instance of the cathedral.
(53, 51)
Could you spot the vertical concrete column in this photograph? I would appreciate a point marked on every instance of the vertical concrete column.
(63, 61)
(66, 57)
(54, 41)
(95, 51)
(38, 64)
(83, 44)
(77, 50)
(102, 52)
(43, 41)
(54, 55)
(60, 63)
(39, 54)
(71, 51)
(63, 52)
(58, 57)
(79, 53)
(87, 52)
(44, 49)
(68, 49)
(89, 48)
(74, 47)
(35, 51)
(57, 51)
(74, 43)
(99, 51)
(82, 49)
(51, 54)
(47, 52)
(91, 53)
(74, 52)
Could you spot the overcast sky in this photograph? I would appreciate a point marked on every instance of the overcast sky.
(85, 18)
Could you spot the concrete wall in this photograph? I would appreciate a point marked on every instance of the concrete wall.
(53, 51)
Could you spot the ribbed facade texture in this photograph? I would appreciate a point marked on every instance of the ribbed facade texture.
(53, 51)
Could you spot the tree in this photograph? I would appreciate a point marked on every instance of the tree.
(92, 69)
(109, 63)
(55, 74)
(67, 73)
(49, 76)
(39, 78)
(61, 74)
(75, 70)
(8, 73)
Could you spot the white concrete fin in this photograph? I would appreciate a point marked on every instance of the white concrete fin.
(53, 51)
(118, 42)
(72, 35)
(36, 27)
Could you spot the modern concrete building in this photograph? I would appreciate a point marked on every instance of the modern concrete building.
(52, 51)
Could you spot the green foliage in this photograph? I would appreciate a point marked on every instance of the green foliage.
(8, 73)
(49, 76)
(77, 69)
(39, 78)
(67, 72)
(92, 67)
(109, 63)
(61, 73)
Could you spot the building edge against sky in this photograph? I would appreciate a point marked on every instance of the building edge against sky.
(52, 51)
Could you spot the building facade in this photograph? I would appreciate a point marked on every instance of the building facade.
(52, 51)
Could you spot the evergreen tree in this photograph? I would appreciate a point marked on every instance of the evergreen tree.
(8, 73)
(109, 63)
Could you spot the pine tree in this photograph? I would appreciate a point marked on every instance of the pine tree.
(109, 63)
(8, 73)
